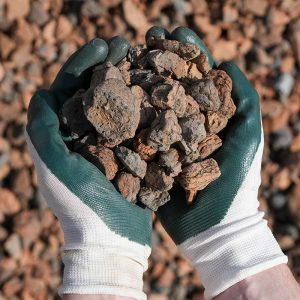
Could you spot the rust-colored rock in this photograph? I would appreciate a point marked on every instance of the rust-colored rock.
(140, 146)
(157, 178)
(202, 64)
(215, 122)
(128, 185)
(186, 51)
(169, 96)
(197, 176)
(113, 110)
(103, 158)
(210, 144)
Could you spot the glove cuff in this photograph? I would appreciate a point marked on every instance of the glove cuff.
(229, 253)
(96, 271)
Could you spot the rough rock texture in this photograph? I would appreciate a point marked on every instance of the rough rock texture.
(113, 110)
(193, 130)
(132, 161)
(153, 198)
(170, 162)
(185, 51)
(169, 96)
(78, 126)
(210, 144)
(197, 176)
(103, 158)
(206, 94)
(128, 185)
(157, 178)
(140, 146)
(164, 131)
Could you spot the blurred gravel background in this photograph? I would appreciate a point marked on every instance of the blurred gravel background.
(36, 37)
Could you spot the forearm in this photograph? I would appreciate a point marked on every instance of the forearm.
(274, 283)
(93, 297)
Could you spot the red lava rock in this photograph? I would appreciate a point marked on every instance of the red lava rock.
(197, 176)
(9, 203)
(128, 185)
(153, 198)
(210, 144)
(170, 161)
(140, 146)
(113, 110)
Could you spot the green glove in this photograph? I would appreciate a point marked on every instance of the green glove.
(107, 239)
(220, 230)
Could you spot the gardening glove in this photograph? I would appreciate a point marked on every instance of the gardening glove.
(222, 233)
(107, 239)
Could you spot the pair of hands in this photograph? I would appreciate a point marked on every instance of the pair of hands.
(96, 218)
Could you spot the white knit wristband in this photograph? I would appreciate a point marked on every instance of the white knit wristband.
(95, 271)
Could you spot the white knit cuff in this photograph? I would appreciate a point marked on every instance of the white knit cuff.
(97, 271)
(227, 254)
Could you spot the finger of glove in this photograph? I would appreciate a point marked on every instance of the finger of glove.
(235, 157)
(186, 35)
(157, 32)
(81, 177)
(76, 72)
(117, 49)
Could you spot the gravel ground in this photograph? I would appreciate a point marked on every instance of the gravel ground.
(36, 37)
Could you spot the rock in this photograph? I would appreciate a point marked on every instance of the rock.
(281, 139)
(17, 9)
(144, 78)
(104, 72)
(197, 176)
(146, 152)
(128, 186)
(167, 63)
(210, 144)
(215, 122)
(64, 28)
(206, 94)
(156, 178)
(186, 51)
(170, 162)
(284, 84)
(13, 246)
(152, 198)
(37, 14)
(132, 161)
(9, 203)
(113, 110)
(136, 55)
(103, 158)
(193, 130)
(165, 131)
(72, 118)
(169, 96)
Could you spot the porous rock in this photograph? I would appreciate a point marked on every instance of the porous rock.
(128, 185)
(169, 160)
(153, 198)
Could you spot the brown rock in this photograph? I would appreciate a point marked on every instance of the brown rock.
(136, 55)
(215, 122)
(202, 64)
(186, 51)
(12, 287)
(132, 161)
(192, 106)
(193, 73)
(140, 146)
(169, 96)
(156, 178)
(167, 63)
(128, 185)
(197, 176)
(153, 198)
(113, 110)
(13, 246)
(170, 162)
(64, 28)
(9, 203)
(144, 78)
(124, 66)
(17, 9)
(103, 158)
(165, 131)
(209, 145)
(206, 94)
(295, 146)
(104, 72)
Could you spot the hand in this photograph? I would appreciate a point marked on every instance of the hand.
(222, 232)
(107, 239)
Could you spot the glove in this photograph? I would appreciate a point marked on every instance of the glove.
(107, 239)
(222, 233)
